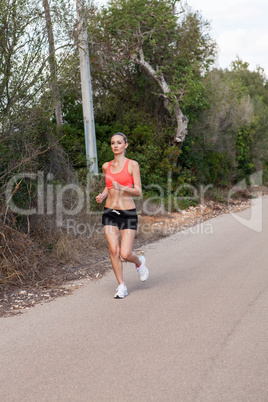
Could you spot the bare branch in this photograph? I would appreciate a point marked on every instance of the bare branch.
(170, 104)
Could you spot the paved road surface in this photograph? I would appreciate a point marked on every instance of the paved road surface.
(196, 331)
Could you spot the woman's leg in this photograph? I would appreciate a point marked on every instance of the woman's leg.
(127, 240)
(112, 237)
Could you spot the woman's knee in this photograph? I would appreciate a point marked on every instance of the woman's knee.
(114, 252)
(126, 254)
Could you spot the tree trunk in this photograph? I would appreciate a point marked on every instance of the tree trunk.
(172, 106)
(53, 65)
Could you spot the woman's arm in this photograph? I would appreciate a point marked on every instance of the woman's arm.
(136, 190)
(100, 197)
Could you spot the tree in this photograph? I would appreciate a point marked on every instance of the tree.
(22, 65)
(229, 139)
(53, 65)
(172, 48)
(22, 79)
(27, 128)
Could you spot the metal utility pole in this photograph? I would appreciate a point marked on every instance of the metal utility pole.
(87, 99)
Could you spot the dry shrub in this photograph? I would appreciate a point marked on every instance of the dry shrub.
(76, 243)
(149, 230)
(80, 249)
(20, 260)
(147, 207)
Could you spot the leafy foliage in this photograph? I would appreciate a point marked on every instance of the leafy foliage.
(228, 109)
(227, 137)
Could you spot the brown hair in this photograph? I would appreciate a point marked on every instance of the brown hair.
(122, 135)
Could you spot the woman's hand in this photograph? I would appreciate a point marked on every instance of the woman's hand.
(99, 198)
(117, 186)
(102, 196)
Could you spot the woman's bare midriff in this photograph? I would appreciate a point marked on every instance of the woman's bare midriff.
(119, 200)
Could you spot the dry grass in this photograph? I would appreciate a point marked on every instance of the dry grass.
(20, 258)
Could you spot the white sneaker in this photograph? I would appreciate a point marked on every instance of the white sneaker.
(143, 270)
(121, 291)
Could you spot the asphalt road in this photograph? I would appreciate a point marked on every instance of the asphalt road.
(197, 330)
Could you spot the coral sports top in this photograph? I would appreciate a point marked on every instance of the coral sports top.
(124, 177)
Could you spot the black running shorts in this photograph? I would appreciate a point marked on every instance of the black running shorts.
(123, 219)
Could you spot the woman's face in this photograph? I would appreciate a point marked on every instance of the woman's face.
(118, 144)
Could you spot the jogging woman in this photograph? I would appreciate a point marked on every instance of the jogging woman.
(122, 177)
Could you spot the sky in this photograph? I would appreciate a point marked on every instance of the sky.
(240, 28)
